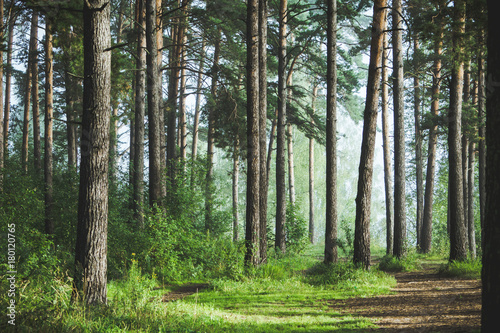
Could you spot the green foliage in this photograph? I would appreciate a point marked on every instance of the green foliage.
(391, 263)
(296, 228)
(176, 251)
(346, 244)
(345, 276)
(466, 269)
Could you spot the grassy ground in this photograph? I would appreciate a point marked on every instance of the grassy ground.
(291, 294)
(287, 295)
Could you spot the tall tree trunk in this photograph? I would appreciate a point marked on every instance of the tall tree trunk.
(363, 198)
(70, 97)
(386, 144)
(465, 151)
(92, 229)
(211, 134)
(173, 89)
(426, 234)
(113, 142)
(49, 111)
(182, 103)
(331, 135)
(197, 107)
(253, 170)
(8, 80)
(139, 115)
(236, 174)
(291, 166)
(311, 171)
(2, 145)
(399, 249)
(263, 190)
(27, 98)
(272, 134)
(154, 111)
(458, 249)
(418, 146)
(37, 146)
(289, 138)
(163, 139)
(491, 254)
(281, 137)
(471, 229)
(481, 106)
(182, 87)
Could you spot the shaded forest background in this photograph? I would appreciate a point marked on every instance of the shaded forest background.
(228, 134)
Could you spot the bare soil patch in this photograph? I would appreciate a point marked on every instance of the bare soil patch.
(423, 302)
(183, 291)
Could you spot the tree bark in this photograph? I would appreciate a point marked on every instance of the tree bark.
(481, 106)
(491, 254)
(159, 59)
(199, 85)
(27, 99)
(70, 98)
(49, 111)
(154, 111)
(311, 171)
(389, 215)
(272, 134)
(182, 104)
(280, 136)
(236, 174)
(91, 239)
(363, 198)
(465, 151)
(253, 170)
(426, 234)
(418, 146)
(173, 89)
(470, 194)
(263, 190)
(331, 135)
(2, 145)
(291, 166)
(211, 134)
(139, 115)
(37, 146)
(399, 249)
(458, 249)
(8, 80)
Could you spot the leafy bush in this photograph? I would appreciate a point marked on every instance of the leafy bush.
(408, 263)
(176, 251)
(468, 269)
(296, 228)
(345, 276)
(346, 244)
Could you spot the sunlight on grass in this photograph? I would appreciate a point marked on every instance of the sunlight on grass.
(290, 294)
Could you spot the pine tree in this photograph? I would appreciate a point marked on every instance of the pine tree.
(92, 229)
(363, 198)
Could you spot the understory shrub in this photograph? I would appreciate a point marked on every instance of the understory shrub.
(345, 276)
(390, 263)
(467, 269)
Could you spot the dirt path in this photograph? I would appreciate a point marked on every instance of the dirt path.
(424, 302)
(184, 291)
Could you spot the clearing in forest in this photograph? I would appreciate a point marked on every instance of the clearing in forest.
(422, 301)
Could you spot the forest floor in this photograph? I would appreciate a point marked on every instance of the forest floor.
(424, 301)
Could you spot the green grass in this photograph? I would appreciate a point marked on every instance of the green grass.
(290, 294)
(411, 262)
(466, 269)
